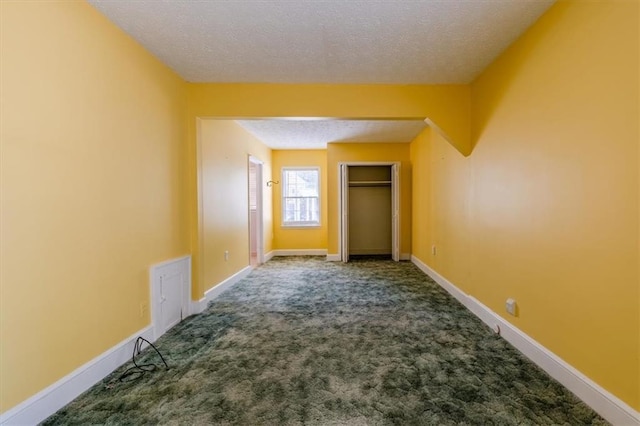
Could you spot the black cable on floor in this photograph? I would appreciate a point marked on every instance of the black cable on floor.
(138, 370)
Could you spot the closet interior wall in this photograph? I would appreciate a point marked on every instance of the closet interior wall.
(370, 210)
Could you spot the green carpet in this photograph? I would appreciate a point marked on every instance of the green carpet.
(305, 341)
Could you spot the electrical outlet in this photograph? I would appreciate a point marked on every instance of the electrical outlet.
(511, 307)
(434, 250)
(226, 255)
(144, 309)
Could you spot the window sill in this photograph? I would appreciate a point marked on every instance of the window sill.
(298, 226)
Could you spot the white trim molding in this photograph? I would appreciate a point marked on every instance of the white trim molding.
(198, 306)
(268, 256)
(226, 284)
(303, 252)
(284, 195)
(337, 258)
(217, 290)
(370, 252)
(343, 198)
(49, 400)
(602, 401)
(46, 402)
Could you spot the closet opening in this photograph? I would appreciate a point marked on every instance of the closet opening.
(369, 195)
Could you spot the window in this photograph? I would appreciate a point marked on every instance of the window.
(300, 197)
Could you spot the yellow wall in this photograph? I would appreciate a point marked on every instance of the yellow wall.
(421, 207)
(93, 188)
(369, 152)
(446, 105)
(95, 164)
(224, 218)
(545, 210)
(285, 238)
(441, 197)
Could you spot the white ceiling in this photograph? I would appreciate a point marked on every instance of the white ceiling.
(315, 134)
(325, 41)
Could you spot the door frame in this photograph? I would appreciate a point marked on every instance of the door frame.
(343, 206)
(259, 208)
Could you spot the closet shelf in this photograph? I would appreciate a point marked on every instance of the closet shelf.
(370, 183)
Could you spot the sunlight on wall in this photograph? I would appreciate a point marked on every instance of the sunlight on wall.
(545, 210)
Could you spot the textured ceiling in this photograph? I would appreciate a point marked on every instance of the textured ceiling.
(315, 134)
(325, 41)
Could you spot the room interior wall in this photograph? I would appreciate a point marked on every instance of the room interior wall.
(369, 152)
(223, 168)
(441, 199)
(446, 105)
(370, 220)
(93, 172)
(285, 238)
(93, 184)
(545, 209)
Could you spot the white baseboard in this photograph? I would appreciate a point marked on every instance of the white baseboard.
(213, 292)
(338, 258)
(369, 251)
(46, 402)
(198, 306)
(306, 252)
(458, 294)
(602, 401)
(268, 256)
(49, 400)
(216, 291)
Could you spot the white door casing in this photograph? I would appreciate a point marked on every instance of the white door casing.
(343, 206)
(395, 212)
(344, 212)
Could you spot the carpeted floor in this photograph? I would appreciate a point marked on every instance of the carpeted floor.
(305, 341)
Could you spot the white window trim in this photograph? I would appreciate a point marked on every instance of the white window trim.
(300, 225)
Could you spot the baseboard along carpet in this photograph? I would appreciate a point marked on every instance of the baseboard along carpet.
(305, 341)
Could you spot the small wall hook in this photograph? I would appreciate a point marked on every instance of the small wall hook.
(273, 182)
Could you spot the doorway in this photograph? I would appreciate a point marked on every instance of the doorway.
(369, 210)
(256, 254)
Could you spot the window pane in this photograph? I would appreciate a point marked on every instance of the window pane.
(300, 197)
(301, 209)
(301, 183)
